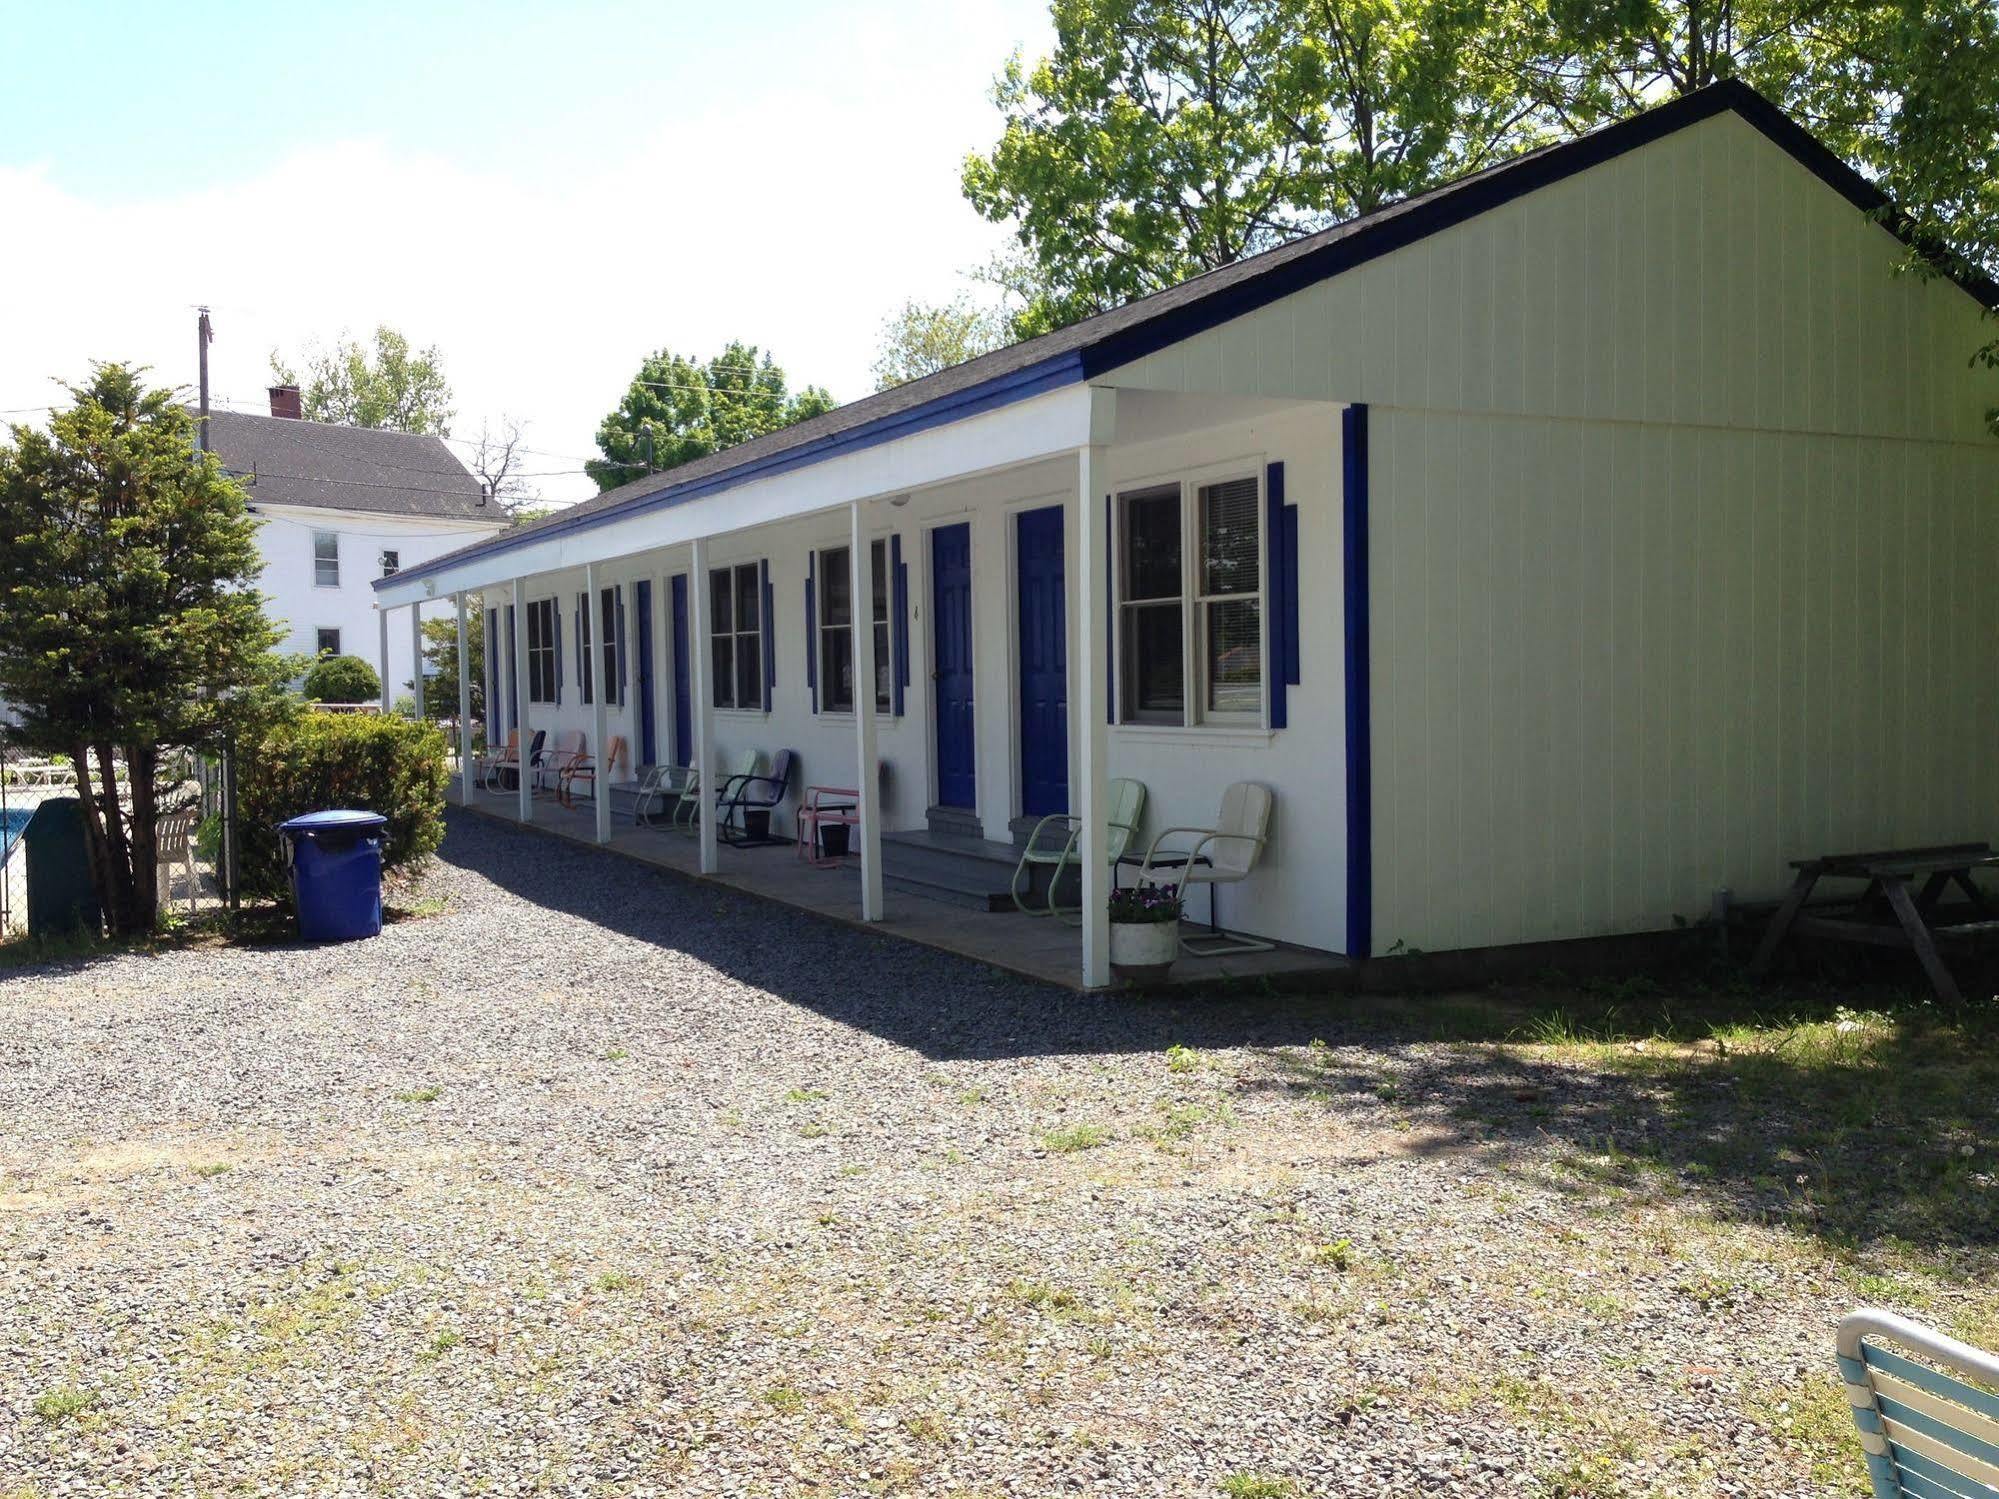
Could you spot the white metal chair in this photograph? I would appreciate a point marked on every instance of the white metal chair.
(1926, 1425)
(173, 843)
(1124, 807)
(567, 750)
(1224, 854)
(661, 782)
(687, 811)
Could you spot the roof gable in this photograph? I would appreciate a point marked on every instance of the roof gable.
(283, 461)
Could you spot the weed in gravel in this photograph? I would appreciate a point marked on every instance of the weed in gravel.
(927, 1426)
(1075, 1137)
(1812, 1418)
(211, 1168)
(1257, 1486)
(614, 1280)
(420, 1095)
(1182, 1059)
(971, 1098)
(442, 1344)
(805, 1095)
(783, 1399)
(1043, 1297)
(1338, 1255)
(63, 1403)
(615, 1054)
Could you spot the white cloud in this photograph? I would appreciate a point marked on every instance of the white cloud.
(796, 218)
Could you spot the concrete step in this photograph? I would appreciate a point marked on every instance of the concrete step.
(967, 872)
(955, 822)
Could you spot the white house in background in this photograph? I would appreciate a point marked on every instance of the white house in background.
(1561, 546)
(340, 508)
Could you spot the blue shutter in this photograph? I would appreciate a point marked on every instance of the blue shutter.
(616, 635)
(811, 656)
(583, 647)
(769, 633)
(1281, 545)
(1359, 725)
(496, 700)
(898, 622)
(1110, 612)
(555, 616)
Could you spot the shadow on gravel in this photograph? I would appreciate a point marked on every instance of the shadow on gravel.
(1855, 1131)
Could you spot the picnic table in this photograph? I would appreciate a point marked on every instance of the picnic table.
(1903, 883)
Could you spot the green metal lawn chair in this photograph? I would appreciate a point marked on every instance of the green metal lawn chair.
(1125, 806)
(1929, 1424)
(687, 811)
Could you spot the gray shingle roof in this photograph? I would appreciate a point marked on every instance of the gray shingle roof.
(287, 462)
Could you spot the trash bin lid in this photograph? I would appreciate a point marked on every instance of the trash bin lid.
(346, 820)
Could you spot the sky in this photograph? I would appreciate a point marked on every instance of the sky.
(547, 193)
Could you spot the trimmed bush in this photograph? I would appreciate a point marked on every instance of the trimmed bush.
(394, 766)
(341, 679)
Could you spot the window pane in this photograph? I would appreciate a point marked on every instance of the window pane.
(883, 667)
(1235, 657)
(749, 597)
(725, 670)
(1154, 664)
(749, 672)
(1229, 562)
(836, 662)
(878, 556)
(329, 642)
(836, 587)
(1152, 544)
(721, 608)
(392, 563)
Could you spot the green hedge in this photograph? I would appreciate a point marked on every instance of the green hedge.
(341, 679)
(394, 766)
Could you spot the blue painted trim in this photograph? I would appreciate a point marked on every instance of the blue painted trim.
(899, 622)
(555, 613)
(1281, 548)
(811, 637)
(496, 716)
(1360, 731)
(1110, 610)
(1023, 384)
(770, 633)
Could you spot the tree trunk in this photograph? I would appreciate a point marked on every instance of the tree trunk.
(120, 916)
(142, 763)
(94, 846)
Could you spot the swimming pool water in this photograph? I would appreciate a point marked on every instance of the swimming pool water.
(11, 822)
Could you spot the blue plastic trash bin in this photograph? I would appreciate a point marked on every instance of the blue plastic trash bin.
(335, 859)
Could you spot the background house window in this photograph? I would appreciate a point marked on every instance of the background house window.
(1151, 608)
(392, 563)
(328, 643)
(326, 559)
(611, 609)
(1230, 598)
(1191, 618)
(541, 651)
(836, 629)
(735, 601)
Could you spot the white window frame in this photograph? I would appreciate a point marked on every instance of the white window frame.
(1192, 602)
(611, 622)
(541, 650)
(392, 561)
(723, 693)
(320, 563)
(883, 624)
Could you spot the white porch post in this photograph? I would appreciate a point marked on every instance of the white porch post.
(861, 565)
(600, 713)
(382, 623)
(416, 657)
(464, 706)
(699, 655)
(1088, 714)
(520, 686)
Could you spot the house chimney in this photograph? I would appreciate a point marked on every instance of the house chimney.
(285, 402)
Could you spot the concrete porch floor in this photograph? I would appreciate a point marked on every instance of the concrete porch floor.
(1036, 948)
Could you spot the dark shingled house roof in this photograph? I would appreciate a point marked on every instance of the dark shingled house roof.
(284, 461)
(1087, 349)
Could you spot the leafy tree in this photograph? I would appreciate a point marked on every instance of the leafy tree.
(922, 338)
(396, 388)
(678, 409)
(127, 565)
(340, 679)
(1164, 138)
(440, 652)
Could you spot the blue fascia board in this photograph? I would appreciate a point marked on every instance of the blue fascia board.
(974, 400)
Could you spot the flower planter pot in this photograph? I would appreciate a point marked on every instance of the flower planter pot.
(1142, 952)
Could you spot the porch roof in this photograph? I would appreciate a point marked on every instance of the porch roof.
(1096, 346)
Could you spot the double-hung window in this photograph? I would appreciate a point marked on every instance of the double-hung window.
(541, 651)
(392, 562)
(326, 559)
(835, 629)
(735, 598)
(607, 626)
(328, 642)
(1190, 602)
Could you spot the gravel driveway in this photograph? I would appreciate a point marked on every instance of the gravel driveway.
(602, 1182)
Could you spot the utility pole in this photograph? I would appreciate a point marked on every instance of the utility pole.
(205, 335)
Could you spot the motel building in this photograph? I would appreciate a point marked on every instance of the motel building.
(1557, 548)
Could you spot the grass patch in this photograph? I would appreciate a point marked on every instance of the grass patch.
(63, 1403)
(805, 1095)
(1075, 1137)
(1182, 1059)
(1044, 1297)
(420, 1095)
(1257, 1486)
(615, 1054)
(783, 1399)
(614, 1280)
(1812, 1418)
(442, 1344)
(211, 1169)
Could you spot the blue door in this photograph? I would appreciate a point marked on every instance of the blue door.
(648, 741)
(683, 699)
(1044, 663)
(951, 624)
